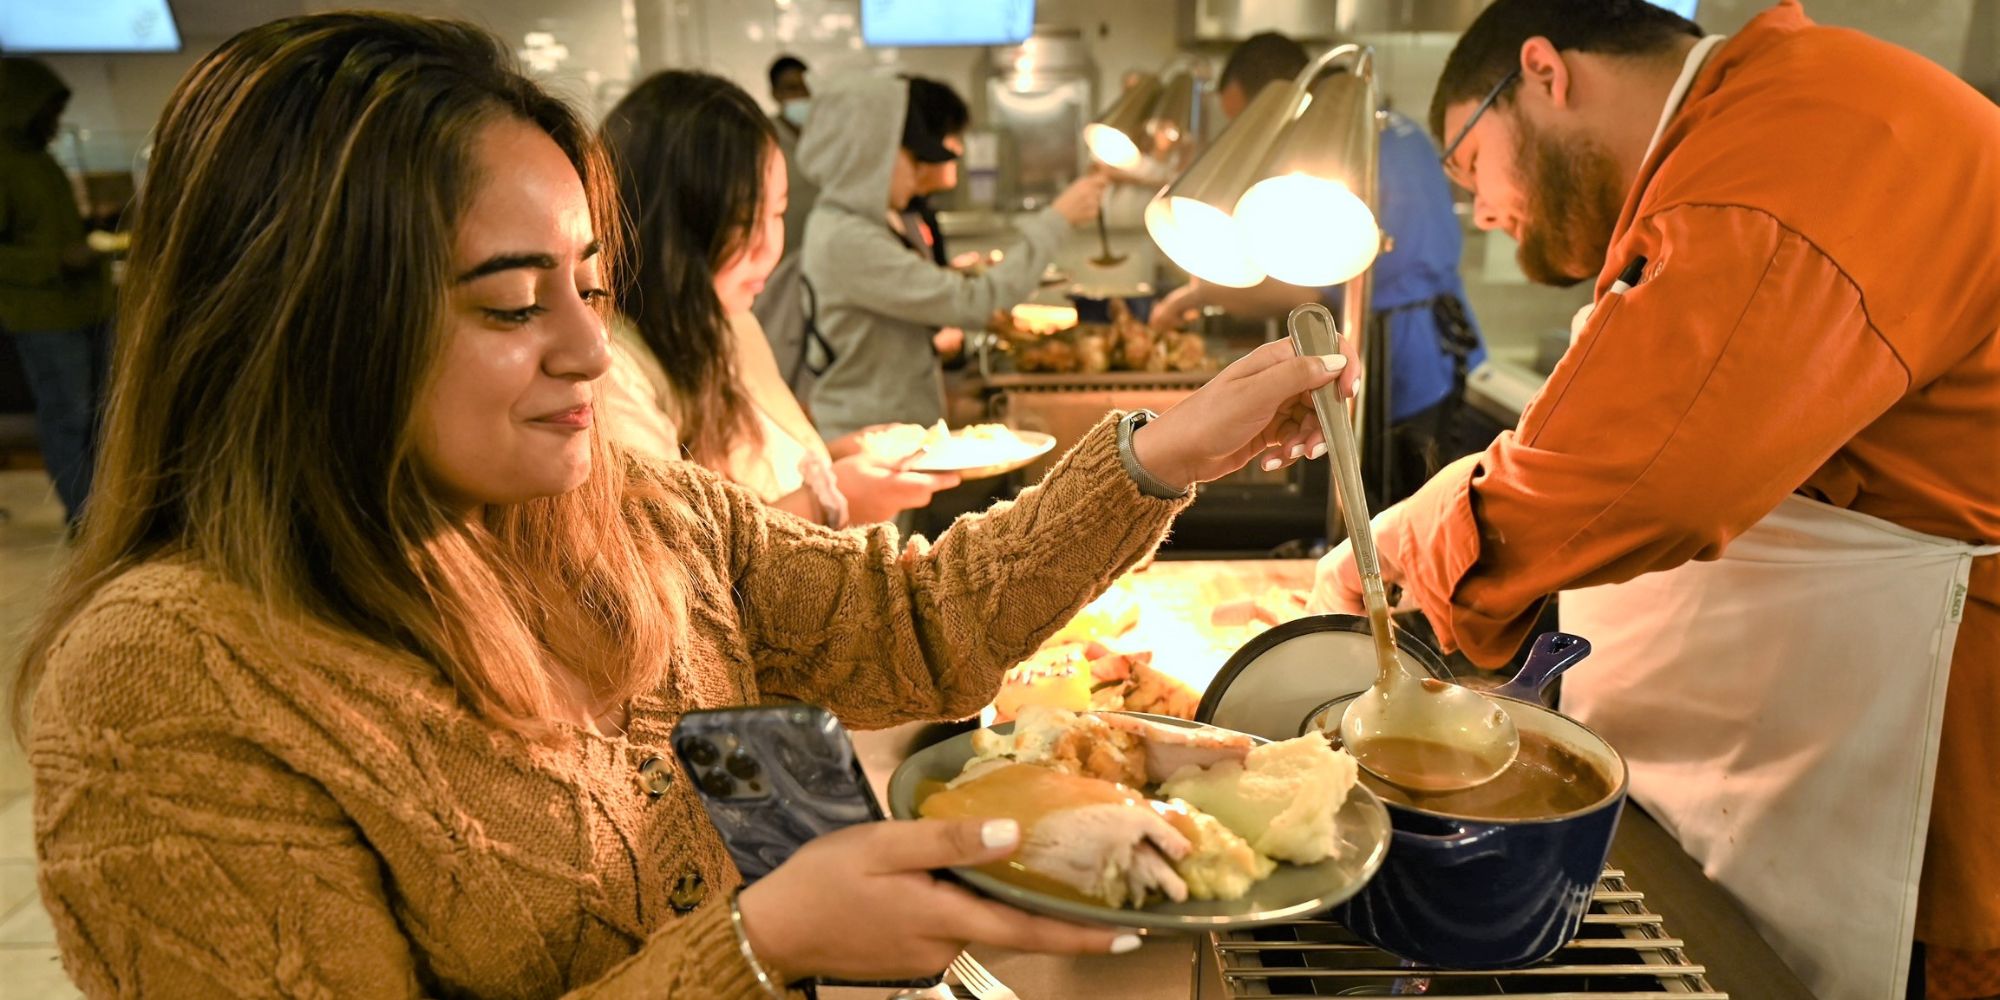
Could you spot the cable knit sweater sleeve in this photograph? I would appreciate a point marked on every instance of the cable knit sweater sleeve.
(183, 857)
(883, 632)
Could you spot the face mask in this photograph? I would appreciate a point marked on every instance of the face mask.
(796, 110)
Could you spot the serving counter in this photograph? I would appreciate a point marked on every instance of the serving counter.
(1691, 923)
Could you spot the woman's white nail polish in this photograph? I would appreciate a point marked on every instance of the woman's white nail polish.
(998, 833)
(1333, 362)
(1124, 943)
(1318, 450)
(1271, 464)
(1297, 450)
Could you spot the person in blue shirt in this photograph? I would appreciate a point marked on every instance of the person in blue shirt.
(1418, 296)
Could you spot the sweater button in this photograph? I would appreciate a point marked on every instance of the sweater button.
(688, 893)
(656, 776)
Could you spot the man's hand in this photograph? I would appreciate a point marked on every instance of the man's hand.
(1176, 308)
(1337, 580)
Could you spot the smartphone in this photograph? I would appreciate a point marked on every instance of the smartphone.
(773, 777)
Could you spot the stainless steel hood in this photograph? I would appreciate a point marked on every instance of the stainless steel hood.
(1320, 20)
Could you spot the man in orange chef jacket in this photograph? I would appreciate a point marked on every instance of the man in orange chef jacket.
(1766, 476)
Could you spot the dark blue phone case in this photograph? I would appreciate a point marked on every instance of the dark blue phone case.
(773, 777)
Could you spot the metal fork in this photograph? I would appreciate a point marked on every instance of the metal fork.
(974, 977)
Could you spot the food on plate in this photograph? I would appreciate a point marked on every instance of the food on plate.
(972, 447)
(1281, 797)
(1168, 749)
(1072, 781)
(1113, 746)
(1061, 740)
(1096, 838)
(1222, 864)
(937, 446)
(896, 444)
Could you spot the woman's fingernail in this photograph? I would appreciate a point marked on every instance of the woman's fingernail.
(1318, 450)
(1333, 362)
(1124, 943)
(1271, 464)
(998, 833)
(1297, 450)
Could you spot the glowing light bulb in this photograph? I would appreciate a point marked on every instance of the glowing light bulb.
(1307, 230)
(1111, 147)
(1203, 240)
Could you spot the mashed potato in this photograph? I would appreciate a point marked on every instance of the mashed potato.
(1281, 799)
(1222, 864)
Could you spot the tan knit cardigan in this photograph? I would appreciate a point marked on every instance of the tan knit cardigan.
(225, 811)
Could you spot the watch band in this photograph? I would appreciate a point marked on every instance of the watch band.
(1148, 483)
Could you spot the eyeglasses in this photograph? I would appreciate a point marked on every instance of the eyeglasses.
(1451, 172)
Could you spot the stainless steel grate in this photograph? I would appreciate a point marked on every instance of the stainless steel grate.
(1622, 953)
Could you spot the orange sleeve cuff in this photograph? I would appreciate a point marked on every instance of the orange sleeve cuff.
(1440, 548)
(1440, 544)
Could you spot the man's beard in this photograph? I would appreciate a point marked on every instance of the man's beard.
(1574, 195)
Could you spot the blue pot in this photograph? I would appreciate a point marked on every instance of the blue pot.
(1464, 893)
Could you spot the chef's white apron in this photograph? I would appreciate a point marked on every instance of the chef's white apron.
(1779, 709)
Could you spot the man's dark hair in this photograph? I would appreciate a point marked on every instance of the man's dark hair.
(1261, 59)
(1491, 48)
(939, 107)
(784, 64)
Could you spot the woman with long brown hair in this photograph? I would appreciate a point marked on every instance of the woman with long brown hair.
(362, 679)
(703, 184)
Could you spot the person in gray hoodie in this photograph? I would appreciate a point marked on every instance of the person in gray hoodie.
(879, 297)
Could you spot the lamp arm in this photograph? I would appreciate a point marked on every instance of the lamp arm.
(1195, 66)
(1360, 61)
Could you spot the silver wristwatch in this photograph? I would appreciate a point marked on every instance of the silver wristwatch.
(1148, 483)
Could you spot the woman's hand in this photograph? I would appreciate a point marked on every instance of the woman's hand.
(862, 904)
(1256, 406)
(878, 491)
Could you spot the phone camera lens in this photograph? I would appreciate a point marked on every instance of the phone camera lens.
(700, 752)
(742, 765)
(717, 784)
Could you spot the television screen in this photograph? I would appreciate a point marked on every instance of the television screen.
(1684, 8)
(88, 26)
(946, 22)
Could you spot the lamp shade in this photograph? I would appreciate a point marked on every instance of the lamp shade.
(1191, 220)
(1307, 220)
(1118, 138)
(1175, 121)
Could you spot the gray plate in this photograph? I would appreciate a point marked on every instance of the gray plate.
(1292, 892)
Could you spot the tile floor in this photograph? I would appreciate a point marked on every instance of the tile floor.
(30, 551)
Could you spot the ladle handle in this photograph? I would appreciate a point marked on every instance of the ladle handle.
(1314, 334)
(1103, 232)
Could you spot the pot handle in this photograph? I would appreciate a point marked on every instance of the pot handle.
(1554, 653)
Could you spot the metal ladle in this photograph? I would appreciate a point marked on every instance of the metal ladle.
(1420, 733)
(1107, 258)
